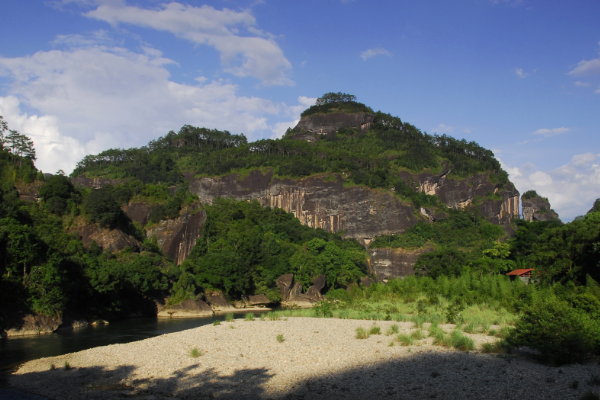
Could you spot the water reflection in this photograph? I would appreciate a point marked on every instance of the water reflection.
(17, 350)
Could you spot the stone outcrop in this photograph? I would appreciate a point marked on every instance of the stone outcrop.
(311, 127)
(497, 206)
(190, 308)
(33, 324)
(177, 236)
(259, 300)
(217, 301)
(138, 211)
(394, 263)
(29, 191)
(295, 297)
(108, 239)
(537, 208)
(284, 283)
(366, 281)
(318, 201)
(94, 183)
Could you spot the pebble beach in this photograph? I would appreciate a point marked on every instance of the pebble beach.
(315, 358)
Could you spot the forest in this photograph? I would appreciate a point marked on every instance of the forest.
(244, 247)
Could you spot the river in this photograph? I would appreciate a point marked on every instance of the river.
(17, 350)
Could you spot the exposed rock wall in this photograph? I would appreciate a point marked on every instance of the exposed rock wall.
(108, 239)
(319, 202)
(394, 263)
(177, 236)
(463, 193)
(94, 183)
(538, 209)
(311, 127)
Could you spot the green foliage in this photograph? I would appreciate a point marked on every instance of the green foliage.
(280, 338)
(530, 194)
(559, 332)
(246, 247)
(229, 317)
(216, 322)
(195, 353)
(101, 207)
(405, 340)
(375, 330)
(323, 309)
(249, 317)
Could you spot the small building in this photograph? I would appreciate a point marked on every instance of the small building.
(523, 274)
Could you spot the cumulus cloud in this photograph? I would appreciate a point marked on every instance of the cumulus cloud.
(585, 68)
(441, 128)
(520, 73)
(375, 51)
(91, 98)
(551, 132)
(571, 188)
(256, 55)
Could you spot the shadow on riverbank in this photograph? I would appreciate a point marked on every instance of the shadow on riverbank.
(421, 376)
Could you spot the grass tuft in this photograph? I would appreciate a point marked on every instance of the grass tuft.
(216, 322)
(231, 327)
(496, 347)
(405, 340)
(67, 366)
(461, 342)
(262, 317)
(280, 338)
(273, 316)
(418, 334)
(375, 330)
(249, 317)
(229, 317)
(361, 333)
(195, 353)
(52, 367)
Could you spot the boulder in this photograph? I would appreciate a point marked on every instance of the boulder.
(319, 282)
(33, 324)
(313, 294)
(296, 291)
(188, 309)
(112, 240)
(260, 300)
(217, 301)
(300, 301)
(73, 320)
(284, 283)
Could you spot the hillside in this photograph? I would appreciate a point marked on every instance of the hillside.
(204, 216)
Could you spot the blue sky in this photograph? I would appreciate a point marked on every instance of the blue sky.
(521, 77)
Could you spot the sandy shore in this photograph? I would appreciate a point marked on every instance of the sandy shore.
(318, 359)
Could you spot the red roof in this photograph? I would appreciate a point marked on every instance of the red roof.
(520, 272)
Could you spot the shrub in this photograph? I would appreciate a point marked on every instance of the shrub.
(280, 338)
(195, 353)
(229, 317)
(249, 317)
(361, 333)
(375, 330)
(560, 333)
(217, 322)
(323, 309)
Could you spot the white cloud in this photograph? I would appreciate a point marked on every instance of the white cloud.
(571, 188)
(92, 98)
(258, 56)
(582, 84)
(520, 73)
(375, 51)
(441, 128)
(584, 68)
(551, 132)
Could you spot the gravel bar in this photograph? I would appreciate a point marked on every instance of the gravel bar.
(317, 359)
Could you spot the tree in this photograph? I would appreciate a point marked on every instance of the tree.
(102, 208)
(338, 97)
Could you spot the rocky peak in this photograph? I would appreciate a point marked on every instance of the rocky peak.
(311, 127)
(537, 208)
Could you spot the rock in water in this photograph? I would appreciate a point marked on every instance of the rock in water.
(217, 301)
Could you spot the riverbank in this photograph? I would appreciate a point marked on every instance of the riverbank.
(318, 358)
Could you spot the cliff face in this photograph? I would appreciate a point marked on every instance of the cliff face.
(309, 128)
(538, 209)
(394, 263)
(177, 236)
(94, 183)
(463, 193)
(108, 239)
(319, 202)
